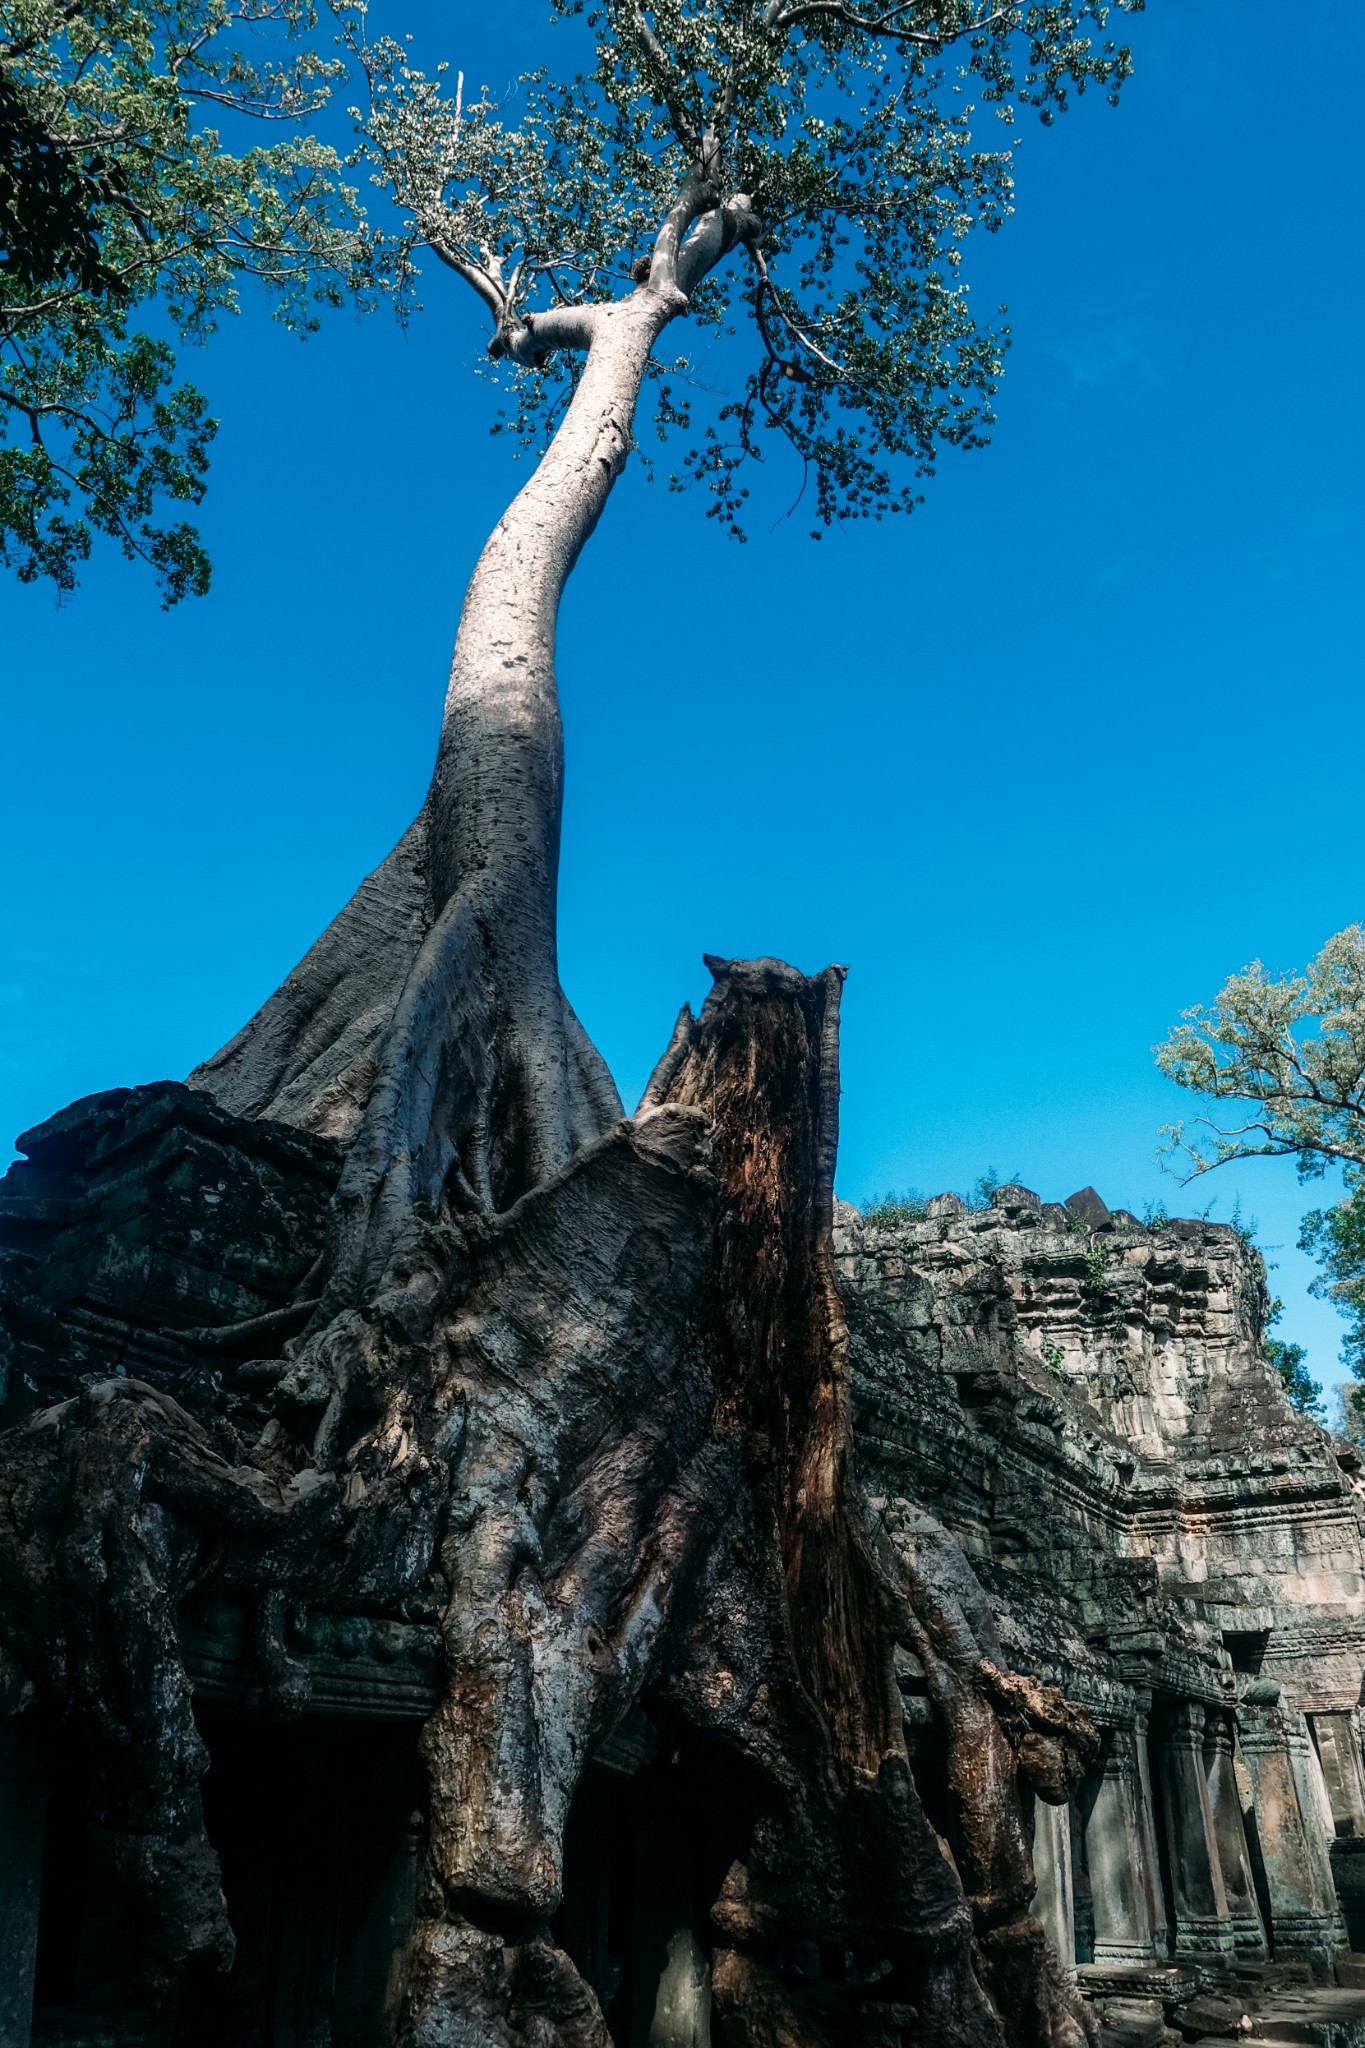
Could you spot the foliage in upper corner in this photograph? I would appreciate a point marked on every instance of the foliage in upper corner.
(841, 141)
(122, 204)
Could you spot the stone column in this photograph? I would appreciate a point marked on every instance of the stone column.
(682, 2000)
(1147, 1824)
(671, 1978)
(1339, 1756)
(1054, 1899)
(1198, 1896)
(1225, 1802)
(1304, 1916)
(23, 1800)
(1114, 1854)
(1314, 1803)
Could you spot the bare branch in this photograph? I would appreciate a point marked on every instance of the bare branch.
(474, 275)
(769, 290)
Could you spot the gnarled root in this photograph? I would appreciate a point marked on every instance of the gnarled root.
(433, 1039)
(308, 1055)
(615, 1414)
(485, 1086)
(109, 1507)
(467, 1986)
(1000, 1725)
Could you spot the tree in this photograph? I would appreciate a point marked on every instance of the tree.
(1304, 1392)
(590, 1371)
(1289, 1050)
(118, 201)
(803, 164)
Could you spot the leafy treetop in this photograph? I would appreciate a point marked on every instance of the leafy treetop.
(828, 148)
(1288, 1051)
(837, 143)
(1291, 1050)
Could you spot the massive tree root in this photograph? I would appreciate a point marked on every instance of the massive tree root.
(610, 1427)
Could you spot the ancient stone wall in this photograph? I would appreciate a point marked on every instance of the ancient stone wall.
(1086, 1405)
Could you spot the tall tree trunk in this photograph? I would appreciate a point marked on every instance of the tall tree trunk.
(427, 1028)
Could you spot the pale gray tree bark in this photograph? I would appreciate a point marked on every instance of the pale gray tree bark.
(427, 1028)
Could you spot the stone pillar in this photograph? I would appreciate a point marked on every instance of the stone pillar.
(1225, 1802)
(1115, 1858)
(1304, 1915)
(1147, 1823)
(1339, 1756)
(670, 1975)
(1054, 1899)
(1198, 1896)
(23, 1800)
(1315, 1803)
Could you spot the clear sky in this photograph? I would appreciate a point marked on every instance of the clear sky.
(1041, 764)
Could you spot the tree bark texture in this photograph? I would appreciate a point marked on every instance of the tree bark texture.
(427, 1028)
(610, 1427)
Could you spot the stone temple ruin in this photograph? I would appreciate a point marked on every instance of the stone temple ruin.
(1077, 1407)
(1086, 1405)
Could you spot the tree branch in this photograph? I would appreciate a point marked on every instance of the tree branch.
(776, 16)
(799, 336)
(668, 83)
(1278, 1146)
(695, 196)
(531, 340)
(713, 237)
(490, 290)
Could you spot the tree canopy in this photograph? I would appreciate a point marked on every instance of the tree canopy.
(1286, 1053)
(838, 146)
(832, 149)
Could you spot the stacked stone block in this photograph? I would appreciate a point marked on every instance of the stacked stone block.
(1086, 1404)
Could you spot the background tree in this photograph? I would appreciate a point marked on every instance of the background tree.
(121, 203)
(1289, 1052)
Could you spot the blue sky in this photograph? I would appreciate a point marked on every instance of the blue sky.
(1042, 764)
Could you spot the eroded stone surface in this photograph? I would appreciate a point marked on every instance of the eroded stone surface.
(1085, 1404)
